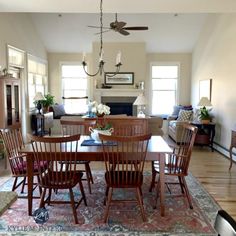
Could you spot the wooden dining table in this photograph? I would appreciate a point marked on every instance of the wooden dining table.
(157, 148)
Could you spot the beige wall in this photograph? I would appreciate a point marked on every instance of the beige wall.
(16, 29)
(214, 57)
(134, 59)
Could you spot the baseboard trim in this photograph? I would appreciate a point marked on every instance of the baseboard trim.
(224, 151)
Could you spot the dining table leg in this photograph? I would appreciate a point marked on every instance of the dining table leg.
(162, 183)
(30, 167)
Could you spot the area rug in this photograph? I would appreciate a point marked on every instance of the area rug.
(124, 219)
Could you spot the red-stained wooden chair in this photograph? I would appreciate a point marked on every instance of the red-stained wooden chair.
(128, 154)
(55, 150)
(177, 163)
(13, 142)
(72, 127)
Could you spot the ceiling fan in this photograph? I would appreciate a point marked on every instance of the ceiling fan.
(119, 26)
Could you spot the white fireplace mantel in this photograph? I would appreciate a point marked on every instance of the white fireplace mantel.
(98, 93)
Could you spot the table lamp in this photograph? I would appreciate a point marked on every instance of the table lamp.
(38, 98)
(204, 102)
(140, 102)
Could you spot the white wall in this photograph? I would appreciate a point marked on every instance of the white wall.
(215, 57)
(16, 29)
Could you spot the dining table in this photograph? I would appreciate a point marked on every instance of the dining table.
(156, 151)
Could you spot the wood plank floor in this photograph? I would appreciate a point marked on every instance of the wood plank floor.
(210, 168)
(212, 171)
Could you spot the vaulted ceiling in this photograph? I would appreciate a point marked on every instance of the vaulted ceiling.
(174, 25)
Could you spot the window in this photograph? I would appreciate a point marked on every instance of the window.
(74, 88)
(37, 77)
(16, 61)
(164, 88)
(15, 57)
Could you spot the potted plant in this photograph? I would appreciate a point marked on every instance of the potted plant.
(47, 102)
(204, 115)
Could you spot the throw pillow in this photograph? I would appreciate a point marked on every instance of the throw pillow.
(176, 110)
(185, 115)
(58, 110)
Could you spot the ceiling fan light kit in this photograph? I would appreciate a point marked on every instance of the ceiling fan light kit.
(101, 53)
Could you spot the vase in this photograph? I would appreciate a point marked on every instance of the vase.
(100, 115)
(95, 133)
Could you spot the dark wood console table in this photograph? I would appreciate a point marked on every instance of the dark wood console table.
(41, 124)
(233, 145)
(205, 134)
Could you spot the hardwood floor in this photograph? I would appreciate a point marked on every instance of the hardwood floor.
(210, 168)
(212, 171)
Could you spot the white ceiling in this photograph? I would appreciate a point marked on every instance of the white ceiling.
(167, 33)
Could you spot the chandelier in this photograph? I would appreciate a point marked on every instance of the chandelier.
(101, 53)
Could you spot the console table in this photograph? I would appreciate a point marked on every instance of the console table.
(233, 145)
(41, 124)
(205, 134)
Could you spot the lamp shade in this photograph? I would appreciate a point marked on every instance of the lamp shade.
(140, 100)
(204, 102)
(38, 96)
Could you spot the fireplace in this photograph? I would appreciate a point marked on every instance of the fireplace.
(120, 105)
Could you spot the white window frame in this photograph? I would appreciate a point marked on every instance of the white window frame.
(17, 60)
(37, 71)
(177, 83)
(77, 63)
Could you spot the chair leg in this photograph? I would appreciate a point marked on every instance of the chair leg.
(73, 206)
(82, 192)
(88, 176)
(105, 198)
(181, 184)
(157, 194)
(23, 185)
(40, 188)
(14, 184)
(49, 196)
(42, 203)
(187, 193)
(110, 190)
(140, 202)
(154, 173)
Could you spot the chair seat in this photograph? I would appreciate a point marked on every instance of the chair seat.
(62, 181)
(21, 168)
(169, 169)
(120, 179)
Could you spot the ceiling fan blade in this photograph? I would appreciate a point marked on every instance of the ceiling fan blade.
(103, 31)
(98, 27)
(121, 31)
(136, 28)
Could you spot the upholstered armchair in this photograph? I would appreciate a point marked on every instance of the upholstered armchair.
(180, 116)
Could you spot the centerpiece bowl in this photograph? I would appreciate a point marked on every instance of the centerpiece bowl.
(95, 133)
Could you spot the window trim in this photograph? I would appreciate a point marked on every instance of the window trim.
(45, 76)
(165, 63)
(77, 63)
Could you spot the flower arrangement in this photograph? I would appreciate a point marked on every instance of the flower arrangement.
(99, 109)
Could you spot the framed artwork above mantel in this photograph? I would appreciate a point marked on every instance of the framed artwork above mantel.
(120, 78)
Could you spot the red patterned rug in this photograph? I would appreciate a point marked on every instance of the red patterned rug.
(124, 219)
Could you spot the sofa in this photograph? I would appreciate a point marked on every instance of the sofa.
(180, 116)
